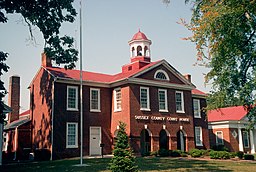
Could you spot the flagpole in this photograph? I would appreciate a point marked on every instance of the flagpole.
(81, 89)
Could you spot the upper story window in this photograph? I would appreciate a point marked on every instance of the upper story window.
(144, 98)
(179, 102)
(161, 75)
(197, 109)
(246, 139)
(117, 99)
(198, 136)
(72, 98)
(162, 99)
(219, 138)
(72, 135)
(94, 100)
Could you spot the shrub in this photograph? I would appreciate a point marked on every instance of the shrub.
(219, 155)
(42, 155)
(163, 152)
(195, 153)
(233, 154)
(174, 153)
(154, 153)
(240, 154)
(219, 148)
(248, 157)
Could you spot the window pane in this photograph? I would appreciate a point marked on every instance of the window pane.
(72, 98)
(95, 99)
(196, 106)
(179, 103)
(219, 139)
(144, 98)
(118, 99)
(198, 136)
(162, 100)
(246, 139)
(71, 135)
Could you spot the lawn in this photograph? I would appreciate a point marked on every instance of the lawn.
(151, 164)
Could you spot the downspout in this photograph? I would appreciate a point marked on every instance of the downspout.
(15, 143)
(53, 83)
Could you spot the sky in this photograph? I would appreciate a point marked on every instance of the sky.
(107, 28)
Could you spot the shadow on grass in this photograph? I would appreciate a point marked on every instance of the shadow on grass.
(178, 164)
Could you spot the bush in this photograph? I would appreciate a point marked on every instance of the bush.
(248, 157)
(219, 155)
(219, 148)
(163, 153)
(195, 153)
(154, 153)
(175, 153)
(42, 155)
(240, 154)
(233, 154)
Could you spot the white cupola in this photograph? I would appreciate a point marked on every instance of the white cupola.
(140, 47)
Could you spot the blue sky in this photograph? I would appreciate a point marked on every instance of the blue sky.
(107, 28)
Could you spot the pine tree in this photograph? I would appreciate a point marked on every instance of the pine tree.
(123, 160)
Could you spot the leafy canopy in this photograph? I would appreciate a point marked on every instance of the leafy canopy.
(47, 15)
(225, 38)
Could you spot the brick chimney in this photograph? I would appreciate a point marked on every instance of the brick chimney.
(188, 77)
(46, 61)
(14, 98)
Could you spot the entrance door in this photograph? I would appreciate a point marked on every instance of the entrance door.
(181, 140)
(95, 140)
(163, 140)
(145, 142)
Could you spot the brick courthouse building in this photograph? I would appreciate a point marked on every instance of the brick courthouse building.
(161, 107)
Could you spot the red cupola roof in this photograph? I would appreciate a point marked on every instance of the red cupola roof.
(139, 36)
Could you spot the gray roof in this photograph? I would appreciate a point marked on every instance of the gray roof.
(16, 123)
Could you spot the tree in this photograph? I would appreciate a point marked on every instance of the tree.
(47, 15)
(225, 38)
(123, 159)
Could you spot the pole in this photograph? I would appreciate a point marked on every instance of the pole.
(81, 89)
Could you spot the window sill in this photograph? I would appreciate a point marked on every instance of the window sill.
(143, 109)
(71, 109)
(199, 145)
(70, 147)
(117, 110)
(198, 117)
(180, 111)
(163, 111)
(95, 110)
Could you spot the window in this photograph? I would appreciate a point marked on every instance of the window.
(144, 98)
(161, 75)
(162, 98)
(117, 99)
(179, 102)
(198, 136)
(245, 139)
(197, 110)
(72, 98)
(72, 135)
(95, 100)
(219, 138)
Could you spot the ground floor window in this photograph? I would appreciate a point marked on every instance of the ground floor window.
(219, 138)
(198, 136)
(245, 139)
(181, 141)
(72, 135)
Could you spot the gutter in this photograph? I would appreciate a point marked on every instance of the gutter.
(54, 80)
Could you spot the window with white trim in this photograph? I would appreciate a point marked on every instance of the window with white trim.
(246, 139)
(117, 99)
(161, 75)
(72, 135)
(144, 98)
(198, 136)
(196, 107)
(219, 138)
(94, 100)
(179, 99)
(72, 98)
(162, 99)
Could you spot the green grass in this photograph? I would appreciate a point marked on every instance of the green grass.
(151, 164)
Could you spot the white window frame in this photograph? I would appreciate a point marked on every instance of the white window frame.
(98, 101)
(76, 98)
(200, 143)
(182, 102)
(166, 75)
(116, 108)
(246, 136)
(76, 135)
(148, 102)
(222, 141)
(197, 113)
(165, 100)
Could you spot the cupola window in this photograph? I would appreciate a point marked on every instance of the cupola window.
(139, 51)
(161, 75)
